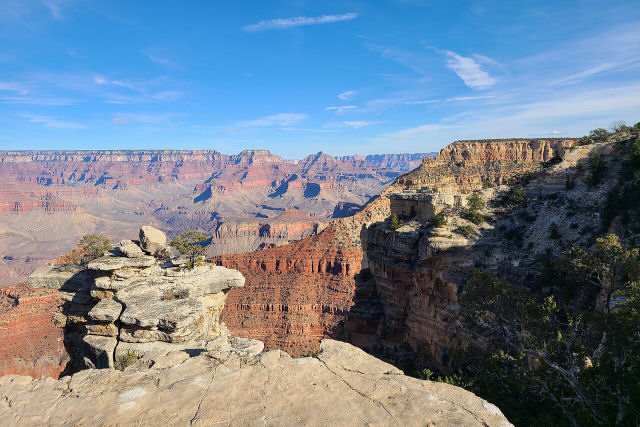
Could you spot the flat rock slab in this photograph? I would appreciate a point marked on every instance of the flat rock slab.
(343, 386)
(110, 263)
(106, 310)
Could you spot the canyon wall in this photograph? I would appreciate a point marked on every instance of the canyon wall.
(396, 299)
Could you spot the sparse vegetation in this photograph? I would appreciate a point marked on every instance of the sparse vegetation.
(568, 358)
(599, 135)
(597, 169)
(475, 217)
(475, 203)
(192, 244)
(515, 197)
(91, 246)
(486, 185)
(439, 220)
(464, 230)
(125, 360)
(552, 161)
(394, 222)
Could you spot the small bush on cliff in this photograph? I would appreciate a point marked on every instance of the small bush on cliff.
(394, 222)
(599, 135)
(192, 244)
(92, 246)
(464, 230)
(125, 360)
(475, 203)
(597, 169)
(439, 220)
(475, 217)
(515, 197)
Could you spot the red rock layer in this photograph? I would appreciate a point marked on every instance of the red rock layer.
(30, 344)
(293, 295)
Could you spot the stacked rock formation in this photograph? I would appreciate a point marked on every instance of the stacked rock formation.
(136, 299)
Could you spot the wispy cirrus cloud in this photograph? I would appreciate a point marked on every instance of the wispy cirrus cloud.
(470, 71)
(149, 119)
(347, 95)
(161, 60)
(52, 123)
(340, 108)
(298, 21)
(281, 119)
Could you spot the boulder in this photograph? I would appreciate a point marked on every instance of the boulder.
(153, 241)
(130, 249)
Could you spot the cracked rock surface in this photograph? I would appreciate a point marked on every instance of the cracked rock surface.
(342, 386)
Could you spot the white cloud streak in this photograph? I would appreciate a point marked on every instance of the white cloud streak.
(347, 95)
(52, 123)
(281, 119)
(341, 108)
(298, 21)
(469, 71)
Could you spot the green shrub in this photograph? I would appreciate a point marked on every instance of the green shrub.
(597, 169)
(475, 203)
(125, 360)
(464, 230)
(439, 220)
(394, 222)
(93, 246)
(475, 217)
(599, 135)
(552, 161)
(192, 244)
(487, 184)
(516, 197)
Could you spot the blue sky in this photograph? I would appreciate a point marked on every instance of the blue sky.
(297, 77)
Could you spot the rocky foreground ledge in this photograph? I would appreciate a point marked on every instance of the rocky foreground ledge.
(341, 386)
(139, 309)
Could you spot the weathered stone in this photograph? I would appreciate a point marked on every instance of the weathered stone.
(110, 262)
(63, 277)
(130, 249)
(343, 386)
(99, 349)
(153, 241)
(106, 310)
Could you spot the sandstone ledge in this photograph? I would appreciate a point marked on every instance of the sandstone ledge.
(342, 386)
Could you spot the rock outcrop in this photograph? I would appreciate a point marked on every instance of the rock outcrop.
(274, 306)
(127, 301)
(342, 386)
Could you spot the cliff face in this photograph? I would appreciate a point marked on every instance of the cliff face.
(465, 165)
(404, 298)
(30, 342)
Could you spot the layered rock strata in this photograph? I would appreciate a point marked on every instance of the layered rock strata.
(342, 386)
(399, 290)
(131, 301)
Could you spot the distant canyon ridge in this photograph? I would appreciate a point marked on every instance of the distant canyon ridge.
(246, 202)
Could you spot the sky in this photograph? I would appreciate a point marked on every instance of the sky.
(297, 77)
